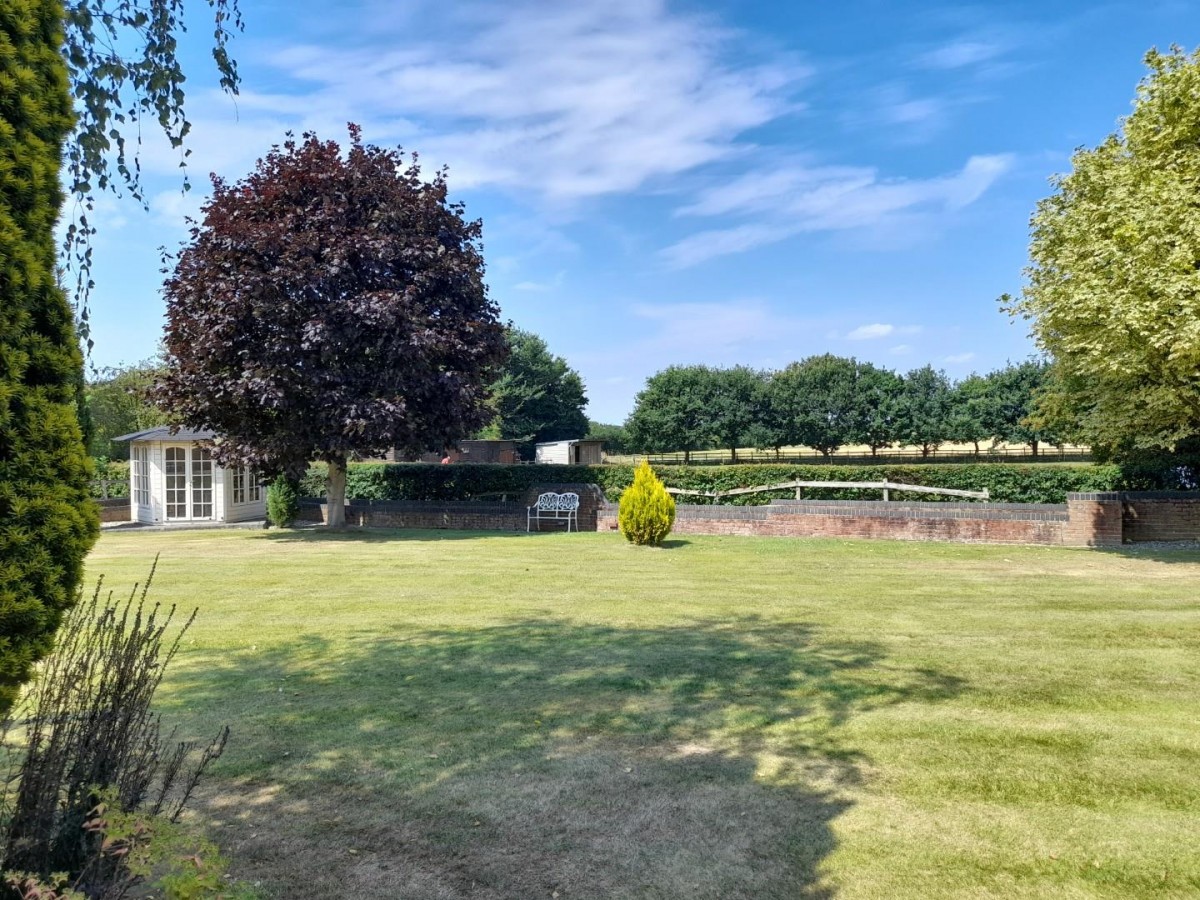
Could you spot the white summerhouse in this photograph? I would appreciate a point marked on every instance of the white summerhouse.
(173, 478)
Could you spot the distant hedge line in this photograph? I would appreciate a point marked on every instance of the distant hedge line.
(1029, 483)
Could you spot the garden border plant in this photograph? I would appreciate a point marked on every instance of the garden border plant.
(92, 765)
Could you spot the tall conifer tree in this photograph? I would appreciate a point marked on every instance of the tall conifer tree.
(47, 524)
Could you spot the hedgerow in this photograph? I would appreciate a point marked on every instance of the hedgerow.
(1030, 483)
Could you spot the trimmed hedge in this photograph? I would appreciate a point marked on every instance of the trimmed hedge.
(1029, 483)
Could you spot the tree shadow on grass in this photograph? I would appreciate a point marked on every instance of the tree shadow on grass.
(1173, 552)
(320, 534)
(695, 761)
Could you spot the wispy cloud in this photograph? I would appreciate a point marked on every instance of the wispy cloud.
(960, 53)
(564, 101)
(958, 358)
(541, 287)
(802, 199)
(869, 332)
(880, 330)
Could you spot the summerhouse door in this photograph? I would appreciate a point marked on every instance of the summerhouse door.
(188, 478)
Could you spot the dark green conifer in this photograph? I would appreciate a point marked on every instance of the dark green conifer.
(47, 522)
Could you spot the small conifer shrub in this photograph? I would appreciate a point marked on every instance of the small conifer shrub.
(283, 502)
(647, 510)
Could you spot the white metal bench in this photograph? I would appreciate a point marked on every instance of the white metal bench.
(555, 508)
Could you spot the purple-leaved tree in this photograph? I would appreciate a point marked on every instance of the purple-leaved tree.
(330, 304)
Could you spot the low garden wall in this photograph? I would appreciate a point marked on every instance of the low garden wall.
(114, 510)
(1014, 523)
(1160, 516)
(477, 515)
(1097, 519)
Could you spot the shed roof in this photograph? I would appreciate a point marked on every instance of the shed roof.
(164, 433)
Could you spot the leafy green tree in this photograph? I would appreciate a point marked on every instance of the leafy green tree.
(1011, 404)
(735, 400)
(671, 412)
(47, 523)
(118, 402)
(970, 417)
(330, 304)
(923, 409)
(615, 437)
(816, 403)
(1112, 290)
(877, 393)
(538, 397)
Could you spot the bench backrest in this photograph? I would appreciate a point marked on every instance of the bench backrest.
(551, 501)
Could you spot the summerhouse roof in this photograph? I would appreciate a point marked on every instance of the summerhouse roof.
(164, 433)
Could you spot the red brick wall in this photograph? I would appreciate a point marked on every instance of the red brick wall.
(960, 523)
(1094, 520)
(466, 515)
(1087, 520)
(1160, 516)
(114, 510)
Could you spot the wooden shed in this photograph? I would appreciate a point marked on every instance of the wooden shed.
(174, 478)
(570, 453)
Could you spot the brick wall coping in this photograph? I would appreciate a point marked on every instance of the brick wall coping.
(429, 505)
(1120, 496)
(1184, 496)
(924, 504)
(1028, 512)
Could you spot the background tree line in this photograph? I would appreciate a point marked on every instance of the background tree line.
(827, 402)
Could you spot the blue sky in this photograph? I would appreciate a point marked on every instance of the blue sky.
(669, 183)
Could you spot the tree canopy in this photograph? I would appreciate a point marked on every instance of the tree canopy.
(118, 402)
(1113, 290)
(671, 412)
(538, 397)
(816, 403)
(47, 523)
(923, 409)
(330, 304)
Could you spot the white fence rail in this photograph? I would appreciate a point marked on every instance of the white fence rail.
(886, 486)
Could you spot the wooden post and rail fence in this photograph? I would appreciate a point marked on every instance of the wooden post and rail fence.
(886, 486)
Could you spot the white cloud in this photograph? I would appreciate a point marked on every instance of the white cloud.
(800, 199)
(881, 330)
(901, 349)
(960, 54)
(541, 287)
(956, 358)
(561, 100)
(869, 332)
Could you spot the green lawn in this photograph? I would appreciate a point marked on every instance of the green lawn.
(443, 715)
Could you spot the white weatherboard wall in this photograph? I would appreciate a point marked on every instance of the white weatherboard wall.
(556, 453)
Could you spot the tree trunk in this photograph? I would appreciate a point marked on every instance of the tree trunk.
(976, 443)
(687, 457)
(1034, 445)
(733, 454)
(335, 493)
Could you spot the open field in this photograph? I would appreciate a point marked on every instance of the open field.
(859, 453)
(442, 715)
